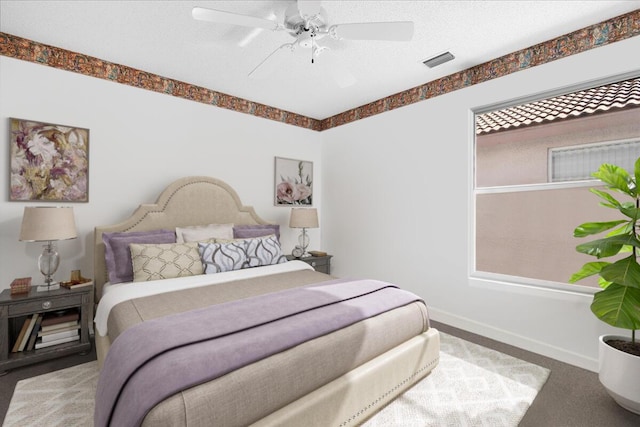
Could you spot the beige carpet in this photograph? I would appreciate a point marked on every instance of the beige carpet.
(472, 386)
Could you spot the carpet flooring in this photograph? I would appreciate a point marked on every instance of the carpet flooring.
(571, 397)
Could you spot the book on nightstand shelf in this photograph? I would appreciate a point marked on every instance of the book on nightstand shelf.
(34, 333)
(44, 330)
(73, 326)
(57, 328)
(27, 334)
(51, 319)
(20, 337)
(62, 334)
(40, 344)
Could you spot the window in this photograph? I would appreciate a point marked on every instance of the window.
(577, 163)
(533, 165)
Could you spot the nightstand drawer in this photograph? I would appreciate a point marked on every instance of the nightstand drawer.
(324, 268)
(318, 262)
(44, 304)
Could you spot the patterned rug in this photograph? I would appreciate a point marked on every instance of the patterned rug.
(471, 386)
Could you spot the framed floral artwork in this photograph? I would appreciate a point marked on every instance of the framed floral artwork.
(293, 182)
(49, 162)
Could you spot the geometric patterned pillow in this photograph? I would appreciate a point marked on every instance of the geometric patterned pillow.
(221, 257)
(264, 251)
(164, 261)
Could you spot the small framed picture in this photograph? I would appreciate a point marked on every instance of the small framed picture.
(293, 182)
(49, 162)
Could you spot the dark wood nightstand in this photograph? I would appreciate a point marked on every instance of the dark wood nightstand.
(14, 309)
(319, 263)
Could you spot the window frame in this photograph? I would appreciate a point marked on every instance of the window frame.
(518, 284)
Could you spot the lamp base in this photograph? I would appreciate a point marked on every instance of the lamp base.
(52, 287)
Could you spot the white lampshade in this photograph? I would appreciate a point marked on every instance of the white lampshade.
(47, 224)
(303, 218)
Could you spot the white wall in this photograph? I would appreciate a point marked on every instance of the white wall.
(398, 206)
(140, 141)
(394, 189)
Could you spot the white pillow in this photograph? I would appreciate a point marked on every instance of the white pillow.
(204, 232)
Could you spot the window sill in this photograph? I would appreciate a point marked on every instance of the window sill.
(528, 286)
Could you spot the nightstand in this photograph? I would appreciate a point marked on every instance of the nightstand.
(14, 309)
(319, 263)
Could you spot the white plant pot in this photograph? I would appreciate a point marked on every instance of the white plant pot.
(620, 374)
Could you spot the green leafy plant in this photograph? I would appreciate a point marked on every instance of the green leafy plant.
(618, 303)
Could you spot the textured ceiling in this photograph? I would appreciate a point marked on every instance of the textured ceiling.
(161, 37)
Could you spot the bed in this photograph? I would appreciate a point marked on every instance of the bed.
(339, 377)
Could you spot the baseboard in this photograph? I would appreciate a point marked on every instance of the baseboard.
(515, 340)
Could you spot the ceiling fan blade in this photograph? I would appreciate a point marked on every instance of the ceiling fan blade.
(308, 8)
(392, 31)
(271, 62)
(222, 17)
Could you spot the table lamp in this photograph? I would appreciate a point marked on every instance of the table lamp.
(304, 218)
(48, 224)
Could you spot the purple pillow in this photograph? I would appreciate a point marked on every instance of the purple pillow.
(251, 231)
(118, 255)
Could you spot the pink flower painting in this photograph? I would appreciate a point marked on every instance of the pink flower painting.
(49, 162)
(294, 182)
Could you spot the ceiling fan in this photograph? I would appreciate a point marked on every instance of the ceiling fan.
(306, 21)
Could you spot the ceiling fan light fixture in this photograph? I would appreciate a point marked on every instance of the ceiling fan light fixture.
(438, 59)
(306, 22)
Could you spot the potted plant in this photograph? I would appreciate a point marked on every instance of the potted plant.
(618, 303)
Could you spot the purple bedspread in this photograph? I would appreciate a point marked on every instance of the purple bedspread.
(161, 357)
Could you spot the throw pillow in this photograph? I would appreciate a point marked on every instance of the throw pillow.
(118, 254)
(165, 261)
(221, 257)
(264, 251)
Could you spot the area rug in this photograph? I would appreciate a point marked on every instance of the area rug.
(471, 386)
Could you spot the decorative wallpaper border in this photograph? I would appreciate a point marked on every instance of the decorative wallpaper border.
(603, 33)
(32, 51)
(613, 30)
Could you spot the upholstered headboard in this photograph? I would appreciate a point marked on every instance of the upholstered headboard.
(196, 200)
